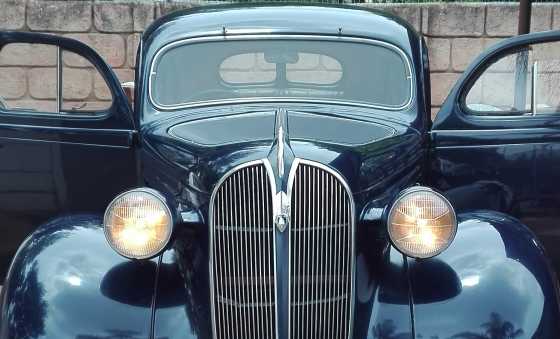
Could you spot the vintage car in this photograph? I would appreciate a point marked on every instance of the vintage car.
(278, 175)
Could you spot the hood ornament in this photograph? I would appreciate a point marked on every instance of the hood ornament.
(281, 131)
(280, 155)
(281, 200)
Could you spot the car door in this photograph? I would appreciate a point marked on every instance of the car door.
(496, 139)
(66, 134)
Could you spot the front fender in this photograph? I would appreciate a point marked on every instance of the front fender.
(66, 282)
(506, 287)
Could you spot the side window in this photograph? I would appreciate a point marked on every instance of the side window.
(28, 77)
(519, 83)
(39, 78)
(83, 88)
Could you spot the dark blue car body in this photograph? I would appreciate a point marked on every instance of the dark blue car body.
(66, 281)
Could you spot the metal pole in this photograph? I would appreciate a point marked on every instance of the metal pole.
(59, 91)
(524, 17)
(522, 63)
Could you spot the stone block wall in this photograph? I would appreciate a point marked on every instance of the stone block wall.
(455, 34)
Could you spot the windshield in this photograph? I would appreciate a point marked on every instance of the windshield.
(355, 71)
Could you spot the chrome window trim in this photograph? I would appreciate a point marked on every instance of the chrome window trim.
(241, 37)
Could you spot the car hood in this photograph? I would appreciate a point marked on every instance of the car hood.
(185, 156)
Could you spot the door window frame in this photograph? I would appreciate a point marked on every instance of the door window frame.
(471, 82)
(454, 115)
(119, 108)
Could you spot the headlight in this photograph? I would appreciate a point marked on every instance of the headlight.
(138, 224)
(421, 223)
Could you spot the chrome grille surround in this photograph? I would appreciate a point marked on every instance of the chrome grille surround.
(242, 282)
(243, 251)
(322, 253)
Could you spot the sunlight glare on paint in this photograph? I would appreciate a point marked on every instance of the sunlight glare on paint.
(470, 281)
(74, 280)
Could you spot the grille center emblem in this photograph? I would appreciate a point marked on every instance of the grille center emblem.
(281, 222)
(281, 211)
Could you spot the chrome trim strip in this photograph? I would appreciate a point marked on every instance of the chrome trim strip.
(187, 41)
(534, 80)
(490, 145)
(280, 155)
(535, 130)
(59, 88)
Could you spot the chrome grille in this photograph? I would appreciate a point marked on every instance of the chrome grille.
(321, 255)
(242, 258)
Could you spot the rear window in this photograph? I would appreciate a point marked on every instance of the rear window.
(210, 71)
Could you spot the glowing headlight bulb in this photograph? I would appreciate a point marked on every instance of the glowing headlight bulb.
(138, 224)
(421, 223)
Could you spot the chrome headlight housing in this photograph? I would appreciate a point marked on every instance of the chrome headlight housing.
(421, 223)
(138, 223)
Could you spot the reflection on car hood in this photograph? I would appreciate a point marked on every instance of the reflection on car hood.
(239, 128)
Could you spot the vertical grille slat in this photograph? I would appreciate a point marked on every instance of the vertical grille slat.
(243, 254)
(240, 324)
(322, 226)
(320, 254)
(330, 259)
(270, 260)
(228, 270)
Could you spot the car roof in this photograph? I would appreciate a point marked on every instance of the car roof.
(278, 18)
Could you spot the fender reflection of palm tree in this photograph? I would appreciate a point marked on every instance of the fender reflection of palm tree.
(384, 330)
(26, 299)
(188, 255)
(495, 328)
(28, 322)
(115, 334)
(387, 329)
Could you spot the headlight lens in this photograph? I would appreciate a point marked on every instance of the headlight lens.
(422, 223)
(138, 224)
